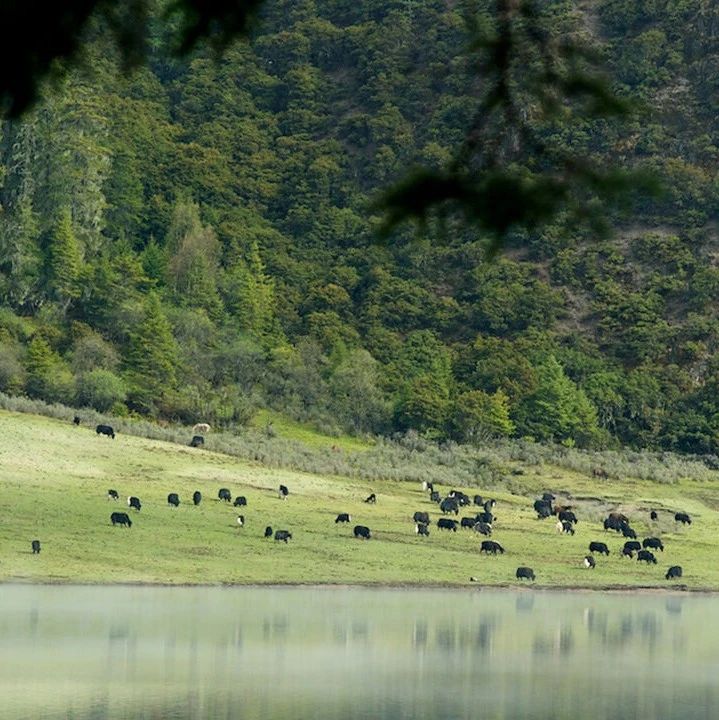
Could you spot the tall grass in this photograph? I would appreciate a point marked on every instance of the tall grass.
(408, 458)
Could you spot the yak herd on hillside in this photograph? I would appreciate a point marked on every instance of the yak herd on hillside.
(482, 522)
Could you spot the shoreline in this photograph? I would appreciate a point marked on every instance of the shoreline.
(678, 589)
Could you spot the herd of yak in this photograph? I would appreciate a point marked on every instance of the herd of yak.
(544, 507)
(481, 522)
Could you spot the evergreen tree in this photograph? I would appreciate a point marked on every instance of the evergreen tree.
(152, 358)
(478, 416)
(65, 261)
(47, 375)
(250, 296)
(39, 365)
(557, 409)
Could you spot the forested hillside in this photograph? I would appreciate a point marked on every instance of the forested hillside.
(198, 240)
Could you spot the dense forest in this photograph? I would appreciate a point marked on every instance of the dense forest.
(198, 239)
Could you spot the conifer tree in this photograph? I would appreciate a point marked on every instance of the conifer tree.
(251, 296)
(152, 357)
(39, 366)
(65, 261)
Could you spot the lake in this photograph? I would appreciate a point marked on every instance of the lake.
(89, 653)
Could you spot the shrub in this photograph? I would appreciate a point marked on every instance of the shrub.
(100, 389)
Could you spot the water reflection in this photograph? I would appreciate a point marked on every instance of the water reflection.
(116, 653)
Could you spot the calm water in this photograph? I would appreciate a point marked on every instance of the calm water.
(318, 654)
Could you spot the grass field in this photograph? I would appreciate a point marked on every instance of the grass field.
(54, 479)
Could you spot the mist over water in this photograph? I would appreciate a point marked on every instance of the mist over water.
(90, 653)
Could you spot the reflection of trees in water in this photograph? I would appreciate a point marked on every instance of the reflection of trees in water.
(475, 638)
(644, 629)
(445, 638)
(360, 630)
(524, 603)
(649, 629)
(276, 628)
(483, 636)
(420, 633)
(560, 642)
(237, 636)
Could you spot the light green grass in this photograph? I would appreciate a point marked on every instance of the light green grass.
(287, 429)
(54, 479)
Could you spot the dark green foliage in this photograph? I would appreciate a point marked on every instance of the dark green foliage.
(64, 261)
(152, 357)
(197, 239)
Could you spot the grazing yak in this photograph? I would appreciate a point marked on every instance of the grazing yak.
(343, 518)
(283, 535)
(371, 499)
(627, 552)
(283, 492)
(240, 520)
(461, 498)
(567, 516)
(598, 547)
(567, 527)
(224, 494)
(485, 517)
(653, 515)
(548, 497)
(421, 517)
(489, 504)
(468, 522)
(449, 505)
(633, 545)
(105, 430)
(525, 573)
(483, 528)
(589, 562)
(268, 531)
(646, 556)
(197, 441)
(489, 546)
(200, 429)
(447, 524)
(477, 500)
(434, 496)
(543, 508)
(35, 544)
(120, 518)
(173, 499)
(112, 494)
(616, 521)
(197, 497)
(683, 518)
(134, 502)
(362, 531)
(653, 543)
(628, 532)
(675, 571)
(240, 501)
(76, 420)
(422, 529)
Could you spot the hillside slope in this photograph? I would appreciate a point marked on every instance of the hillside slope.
(197, 240)
(54, 479)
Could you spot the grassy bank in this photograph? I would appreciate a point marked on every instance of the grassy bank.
(54, 479)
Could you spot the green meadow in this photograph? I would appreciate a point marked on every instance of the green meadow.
(54, 479)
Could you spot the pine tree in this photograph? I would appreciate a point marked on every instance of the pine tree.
(251, 297)
(39, 366)
(152, 358)
(65, 261)
(557, 409)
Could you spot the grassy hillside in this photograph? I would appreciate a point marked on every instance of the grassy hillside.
(54, 480)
